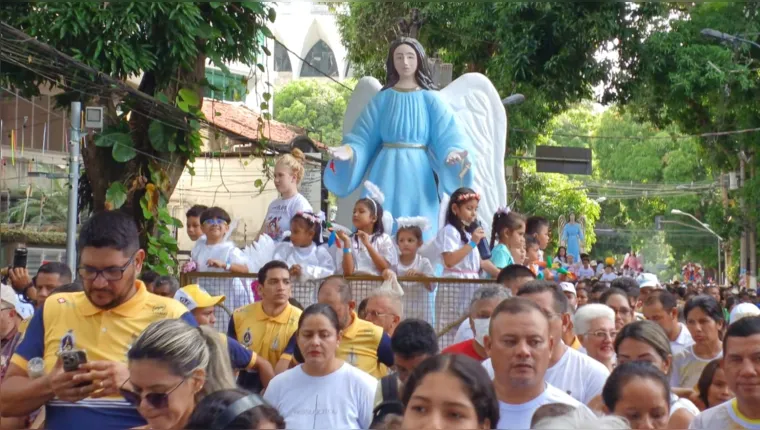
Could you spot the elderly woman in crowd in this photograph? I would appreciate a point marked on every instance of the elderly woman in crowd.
(595, 326)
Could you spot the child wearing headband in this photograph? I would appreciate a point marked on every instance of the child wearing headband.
(303, 252)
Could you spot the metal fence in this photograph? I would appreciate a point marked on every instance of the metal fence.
(445, 307)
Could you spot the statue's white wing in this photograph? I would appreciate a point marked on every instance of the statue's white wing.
(479, 109)
(365, 90)
(560, 228)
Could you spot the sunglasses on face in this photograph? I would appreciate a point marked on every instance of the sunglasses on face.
(214, 221)
(155, 400)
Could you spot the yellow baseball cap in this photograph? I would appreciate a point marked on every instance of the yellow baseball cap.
(193, 296)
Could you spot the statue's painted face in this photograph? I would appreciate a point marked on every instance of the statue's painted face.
(572, 217)
(405, 61)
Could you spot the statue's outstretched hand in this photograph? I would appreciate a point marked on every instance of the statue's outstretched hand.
(342, 153)
(455, 157)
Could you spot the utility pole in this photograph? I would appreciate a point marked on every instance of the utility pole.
(411, 27)
(71, 226)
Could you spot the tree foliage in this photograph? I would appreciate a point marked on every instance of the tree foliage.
(314, 105)
(702, 85)
(544, 50)
(165, 43)
(553, 195)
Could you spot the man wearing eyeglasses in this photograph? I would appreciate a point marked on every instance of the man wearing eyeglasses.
(102, 321)
(384, 309)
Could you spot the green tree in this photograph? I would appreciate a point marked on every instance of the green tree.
(168, 45)
(553, 195)
(316, 106)
(45, 207)
(678, 76)
(544, 50)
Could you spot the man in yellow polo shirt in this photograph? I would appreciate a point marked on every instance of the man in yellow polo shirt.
(266, 326)
(363, 344)
(102, 321)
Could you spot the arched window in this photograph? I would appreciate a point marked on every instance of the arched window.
(281, 58)
(322, 58)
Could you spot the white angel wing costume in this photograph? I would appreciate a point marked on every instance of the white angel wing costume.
(259, 253)
(365, 90)
(477, 104)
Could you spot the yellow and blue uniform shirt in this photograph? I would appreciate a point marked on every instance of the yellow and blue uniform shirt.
(240, 358)
(70, 321)
(265, 335)
(364, 346)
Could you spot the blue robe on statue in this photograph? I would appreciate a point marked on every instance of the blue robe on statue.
(402, 138)
(572, 235)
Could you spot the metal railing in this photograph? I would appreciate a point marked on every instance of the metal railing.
(444, 308)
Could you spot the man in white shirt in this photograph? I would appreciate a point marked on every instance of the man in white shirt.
(571, 371)
(662, 308)
(520, 343)
(741, 348)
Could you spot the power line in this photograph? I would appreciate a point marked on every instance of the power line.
(678, 137)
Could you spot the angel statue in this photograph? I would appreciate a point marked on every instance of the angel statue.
(572, 235)
(419, 145)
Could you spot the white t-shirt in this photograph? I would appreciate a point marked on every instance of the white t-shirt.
(576, 374)
(518, 417)
(340, 400)
(279, 214)
(677, 403)
(608, 277)
(725, 416)
(584, 273)
(237, 293)
(363, 263)
(449, 240)
(687, 368)
(316, 261)
(682, 341)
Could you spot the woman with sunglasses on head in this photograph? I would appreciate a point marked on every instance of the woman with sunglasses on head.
(235, 410)
(645, 341)
(324, 392)
(173, 365)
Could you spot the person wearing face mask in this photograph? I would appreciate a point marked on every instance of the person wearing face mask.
(483, 302)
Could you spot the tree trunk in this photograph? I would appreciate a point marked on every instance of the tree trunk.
(102, 170)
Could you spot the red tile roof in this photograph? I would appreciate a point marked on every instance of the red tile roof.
(239, 119)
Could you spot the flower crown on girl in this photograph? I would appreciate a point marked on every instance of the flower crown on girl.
(468, 196)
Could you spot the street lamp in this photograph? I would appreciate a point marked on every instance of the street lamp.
(706, 227)
(514, 99)
(709, 32)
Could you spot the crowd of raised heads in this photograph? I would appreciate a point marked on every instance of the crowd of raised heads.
(540, 347)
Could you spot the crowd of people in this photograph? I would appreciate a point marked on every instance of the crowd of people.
(540, 346)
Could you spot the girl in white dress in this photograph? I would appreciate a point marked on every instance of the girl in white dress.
(303, 252)
(417, 295)
(458, 248)
(370, 250)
